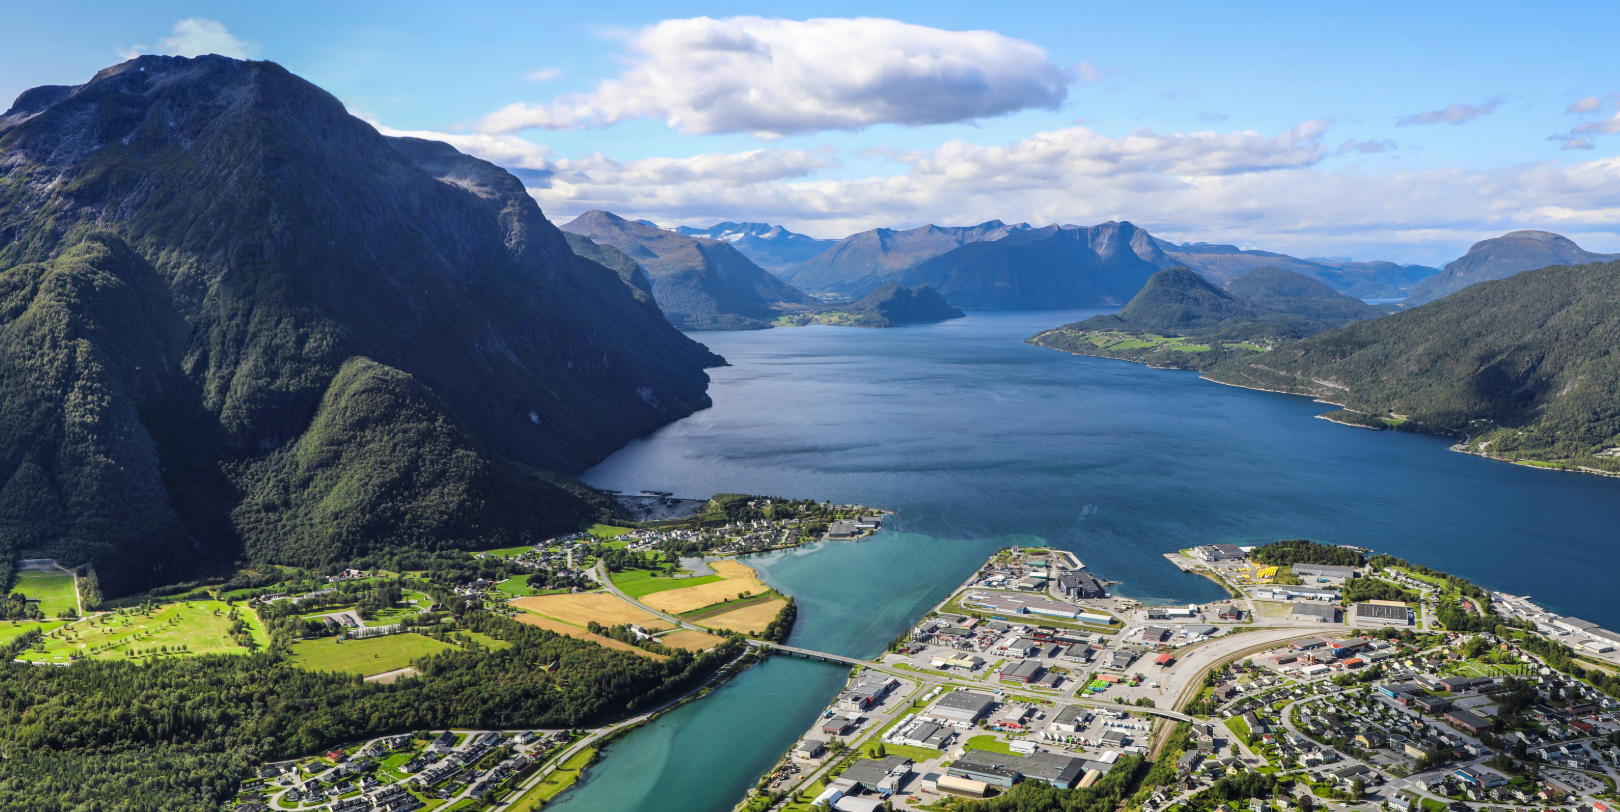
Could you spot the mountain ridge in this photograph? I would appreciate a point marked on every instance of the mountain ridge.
(1501, 257)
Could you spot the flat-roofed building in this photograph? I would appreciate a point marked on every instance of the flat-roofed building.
(1317, 612)
(1023, 672)
(1328, 571)
(1217, 552)
(1382, 613)
(965, 706)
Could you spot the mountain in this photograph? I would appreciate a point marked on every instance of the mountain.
(889, 306)
(1525, 367)
(1044, 268)
(1179, 319)
(700, 284)
(238, 324)
(773, 248)
(1367, 280)
(1501, 257)
(860, 263)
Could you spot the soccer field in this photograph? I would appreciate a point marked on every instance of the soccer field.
(54, 590)
(373, 655)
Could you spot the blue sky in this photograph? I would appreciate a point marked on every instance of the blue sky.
(1379, 131)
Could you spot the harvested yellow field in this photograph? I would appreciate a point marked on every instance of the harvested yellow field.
(574, 631)
(738, 578)
(690, 640)
(584, 607)
(750, 619)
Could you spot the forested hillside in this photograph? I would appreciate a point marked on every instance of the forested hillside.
(194, 256)
(1526, 368)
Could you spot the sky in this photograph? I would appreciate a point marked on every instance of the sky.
(1393, 131)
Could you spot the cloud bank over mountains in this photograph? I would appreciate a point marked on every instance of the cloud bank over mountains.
(774, 78)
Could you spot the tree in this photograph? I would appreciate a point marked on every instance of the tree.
(1357, 787)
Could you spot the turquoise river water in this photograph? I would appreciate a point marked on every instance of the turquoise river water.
(978, 440)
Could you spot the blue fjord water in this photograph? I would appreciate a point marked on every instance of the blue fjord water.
(978, 440)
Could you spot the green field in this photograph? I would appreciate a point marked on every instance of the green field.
(184, 629)
(484, 640)
(373, 655)
(990, 744)
(54, 590)
(607, 531)
(509, 552)
(564, 777)
(637, 583)
(11, 630)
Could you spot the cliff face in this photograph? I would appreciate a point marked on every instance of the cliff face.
(193, 250)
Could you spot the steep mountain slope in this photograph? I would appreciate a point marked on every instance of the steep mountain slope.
(1181, 320)
(1371, 280)
(1051, 267)
(773, 248)
(700, 284)
(1501, 257)
(193, 250)
(860, 263)
(1526, 366)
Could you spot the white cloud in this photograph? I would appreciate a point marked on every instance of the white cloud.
(1455, 114)
(195, 36)
(543, 75)
(504, 150)
(1590, 104)
(780, 77)
(1366, 147)
(1607, 126)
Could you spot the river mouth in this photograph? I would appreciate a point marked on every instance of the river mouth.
(978, 441)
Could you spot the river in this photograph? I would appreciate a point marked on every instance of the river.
(978, 440)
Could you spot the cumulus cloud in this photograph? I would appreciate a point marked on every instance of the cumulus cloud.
(1366, 147)
(1607, 126)
(1590, 104)
(509, 151)
(1455, 114)
(195, 36)
(780, 77)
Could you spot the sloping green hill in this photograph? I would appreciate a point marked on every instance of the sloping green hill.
(1527, 367)
(193, 250)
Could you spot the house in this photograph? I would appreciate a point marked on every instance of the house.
(1316, 612)
(1403, 801)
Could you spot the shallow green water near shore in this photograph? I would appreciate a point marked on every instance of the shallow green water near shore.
(979, 440)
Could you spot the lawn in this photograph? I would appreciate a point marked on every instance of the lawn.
(54, 590)
(176, 629)
(10, 631)
(1239, 728)
(637, 583)
(562, 778)
(989, 743)
(607, 531)
(518, 587)
(373, 655)
(485, 640)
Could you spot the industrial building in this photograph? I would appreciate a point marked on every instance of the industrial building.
(964, 706)
(1328, 571)
(1002, 770)
(1023, 672)
(1217, 552)
(1382, 613)
(1320, 613)
(1078, 586)
(1020, 605)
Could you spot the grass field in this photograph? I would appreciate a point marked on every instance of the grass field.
(750, 619)
(54, 590)
(989, 743)
(10, 630)
(639, 583)
(574, 631)
(484, 640)
(583, 607)
(738, 578)
(607, 531)
(134, 636)
(565, 776)
(508, 552)
(690, 640)
(518, 587)
(373, 655)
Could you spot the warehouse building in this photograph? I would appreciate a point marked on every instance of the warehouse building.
(1023, 672)
(1321, 613)
(1080, 586)
(1217, 552)
(1328, 571)
(963, 706)
(1382, 613)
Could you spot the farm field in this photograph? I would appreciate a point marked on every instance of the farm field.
(184, 628)
(690, 640)
(737, 577)
(750, 619)
(373, 655)
(581, 608)
(607, 531)
(574, 631)
(637, 583)
(54, 590)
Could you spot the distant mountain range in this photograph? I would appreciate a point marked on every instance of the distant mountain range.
(1043, 268)
(860, 263)
(773, 248)
(239, 325)
(700, 284)
(1501, 257)
(1364, 280)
